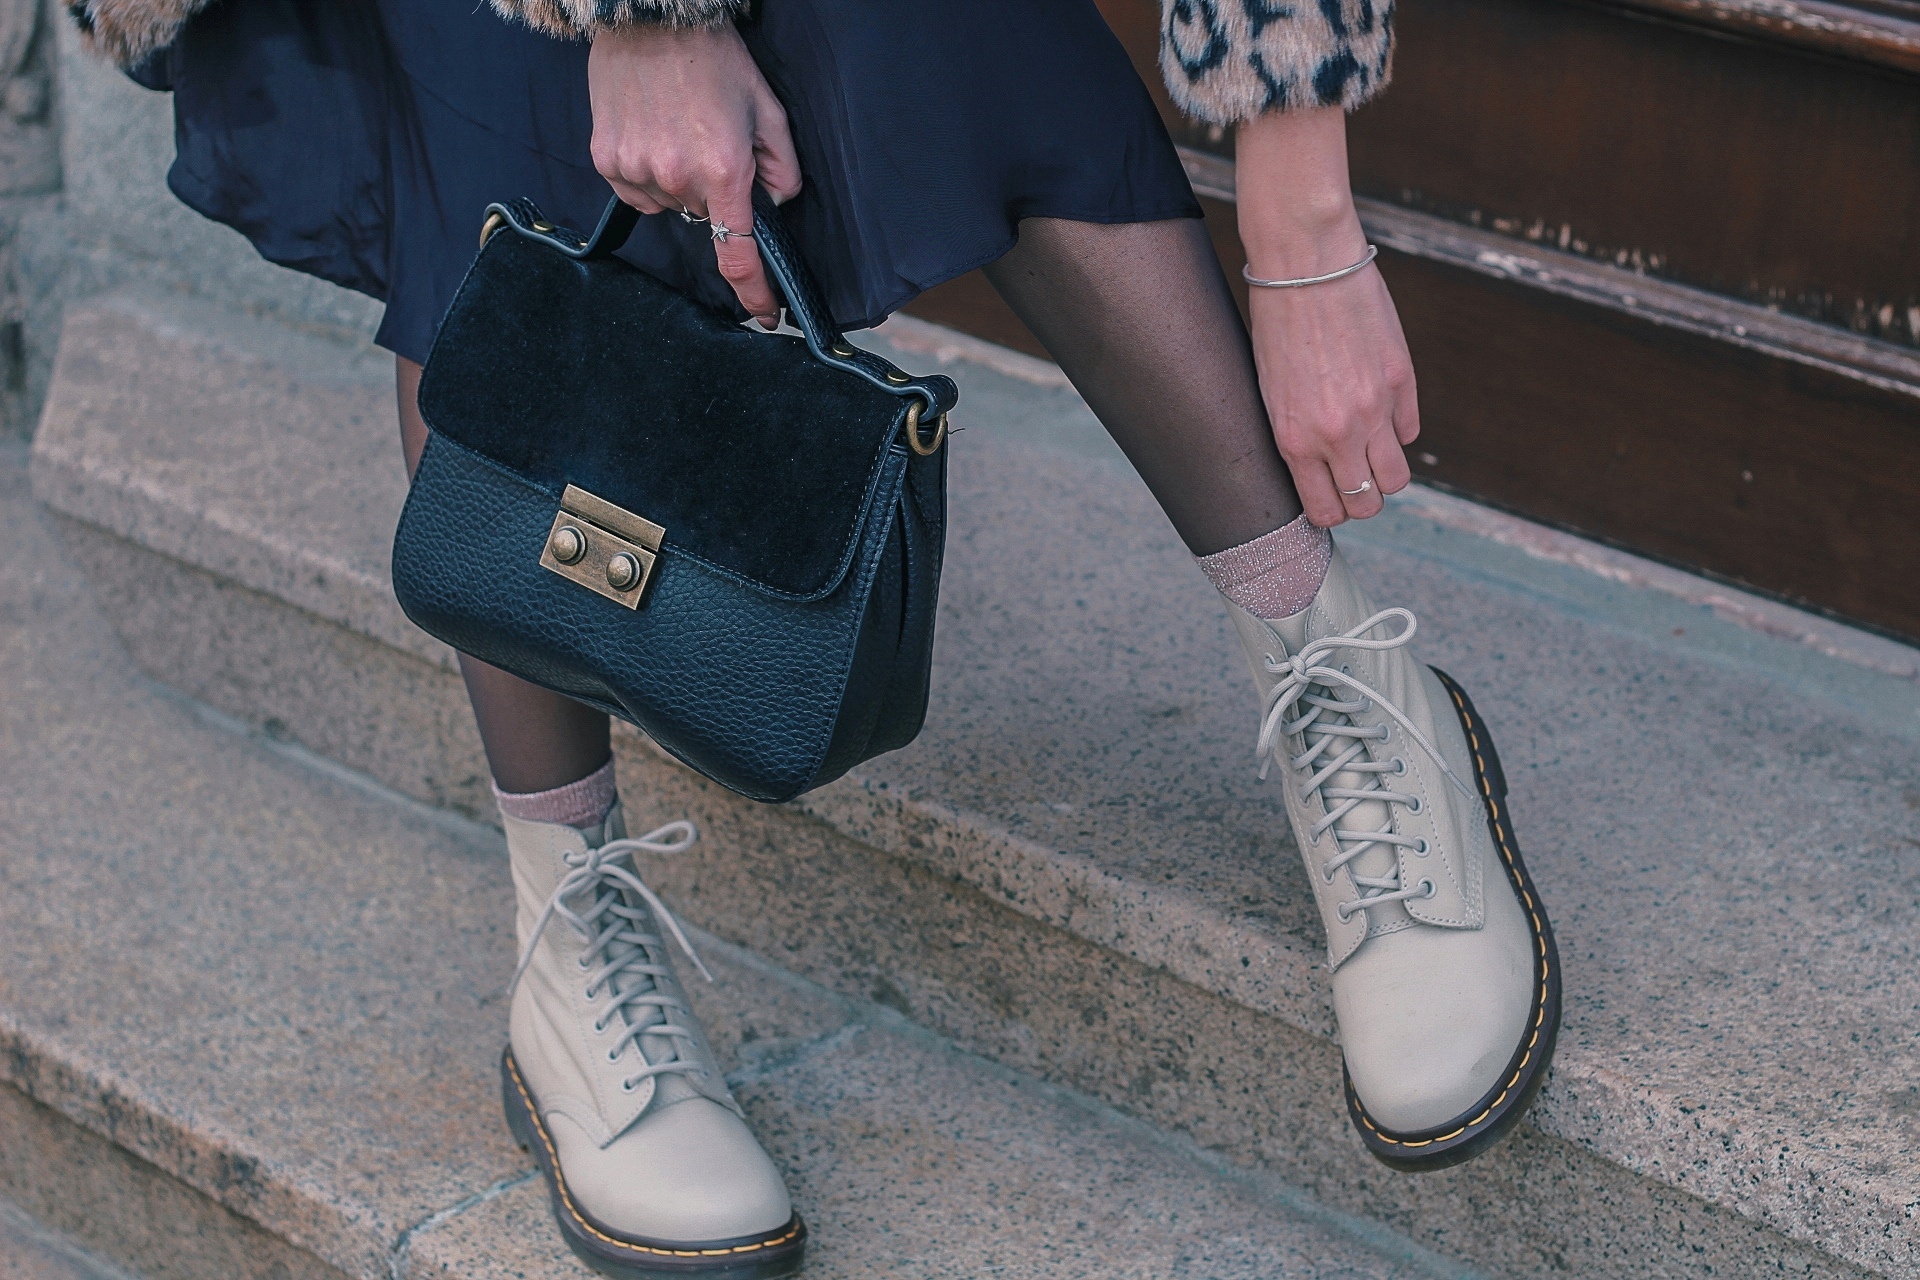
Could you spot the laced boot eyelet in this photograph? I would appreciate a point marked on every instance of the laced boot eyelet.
(1399, 767)
(1344, 914)
(1430, 890)
(582, 962)
(1422, 849)
(599, 1027)
(1416, 805)
(613, 1055)
(626, 1086)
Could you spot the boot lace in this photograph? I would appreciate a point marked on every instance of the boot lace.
(1307, 702)
(616, 946)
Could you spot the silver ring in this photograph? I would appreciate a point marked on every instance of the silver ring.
(721, 231)
(1353, 493)
(688, 215)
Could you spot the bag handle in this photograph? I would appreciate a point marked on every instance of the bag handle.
(788, 270)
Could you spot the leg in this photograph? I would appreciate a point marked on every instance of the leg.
(1140, 318)
(687, 1172)
(535, 739)
(1445, 980)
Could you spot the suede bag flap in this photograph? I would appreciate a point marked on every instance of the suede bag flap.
(758, 459)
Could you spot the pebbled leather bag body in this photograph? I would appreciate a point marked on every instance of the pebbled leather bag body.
(730, 538)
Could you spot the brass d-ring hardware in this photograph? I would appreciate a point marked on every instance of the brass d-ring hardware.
(924, 448)
(494, 222)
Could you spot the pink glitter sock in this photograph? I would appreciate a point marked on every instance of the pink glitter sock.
(1276, 575)
(578, 804)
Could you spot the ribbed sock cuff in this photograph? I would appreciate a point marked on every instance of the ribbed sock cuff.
(578, 804)
(1276, 575)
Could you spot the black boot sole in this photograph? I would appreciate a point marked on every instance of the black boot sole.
(773, 1254)
(1488, 1120)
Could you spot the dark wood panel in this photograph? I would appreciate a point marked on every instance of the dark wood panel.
(1799, 481)
(1752, 167)
(1738, 166)
(1793, 479)
(1881, 32)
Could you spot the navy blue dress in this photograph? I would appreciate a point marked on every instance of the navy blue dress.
(361, 140)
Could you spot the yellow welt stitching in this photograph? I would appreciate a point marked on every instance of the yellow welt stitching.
(1540, 1016)
(566, 1196)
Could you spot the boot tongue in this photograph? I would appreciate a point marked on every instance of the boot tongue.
(668, 1086)
(1379, 861)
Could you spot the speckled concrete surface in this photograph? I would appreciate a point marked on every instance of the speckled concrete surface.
(1720, 826)
(128, 1212)
(276, 989)
(30, 1250)
(913, 1161)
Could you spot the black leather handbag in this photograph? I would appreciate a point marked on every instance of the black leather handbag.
(730, 538)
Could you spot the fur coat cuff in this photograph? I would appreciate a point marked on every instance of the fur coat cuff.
(1229, 60)
(581, 18)
(129, 30)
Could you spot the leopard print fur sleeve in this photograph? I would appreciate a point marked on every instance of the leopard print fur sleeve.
(1228, 60)
(1224, 60)
(578, 18)
(128, 30)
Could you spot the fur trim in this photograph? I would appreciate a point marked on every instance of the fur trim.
(128, 30)
(578, 19)
(1228, 60)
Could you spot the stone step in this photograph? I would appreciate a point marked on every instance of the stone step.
(1074, 871)
(31, 1250)
(251, 1011)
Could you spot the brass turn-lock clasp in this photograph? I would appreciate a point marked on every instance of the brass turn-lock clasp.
(602, 547)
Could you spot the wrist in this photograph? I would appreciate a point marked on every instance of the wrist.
(1293, 197)
(1294, 248)
(657, 35)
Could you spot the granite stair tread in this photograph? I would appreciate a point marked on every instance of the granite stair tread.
(284, 987)
(1721, 823)
(30, 1250)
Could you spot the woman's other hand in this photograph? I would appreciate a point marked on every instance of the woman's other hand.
(684, 121)
(1334, 369)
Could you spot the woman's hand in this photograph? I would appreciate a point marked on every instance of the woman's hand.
(1334, 368)
(684, 121)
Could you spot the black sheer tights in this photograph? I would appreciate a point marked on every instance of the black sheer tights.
(1139, 317)
(536, 739)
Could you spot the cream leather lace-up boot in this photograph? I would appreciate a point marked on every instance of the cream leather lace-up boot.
(608, 1079)
(1446, 983)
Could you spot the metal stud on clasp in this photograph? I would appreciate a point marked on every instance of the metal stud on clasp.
(624, 572)
(568, 544)
(606, 549)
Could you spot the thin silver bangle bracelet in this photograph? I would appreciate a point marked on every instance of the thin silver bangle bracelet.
(1373, 251)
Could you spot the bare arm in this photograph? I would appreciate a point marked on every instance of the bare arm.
(1334, 368)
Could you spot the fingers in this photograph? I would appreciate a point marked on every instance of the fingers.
(1406, 411)
(1388, 462)
(1357, 487)
(739, 257)
(683, 121)
(775, 160)
(1318, 496)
